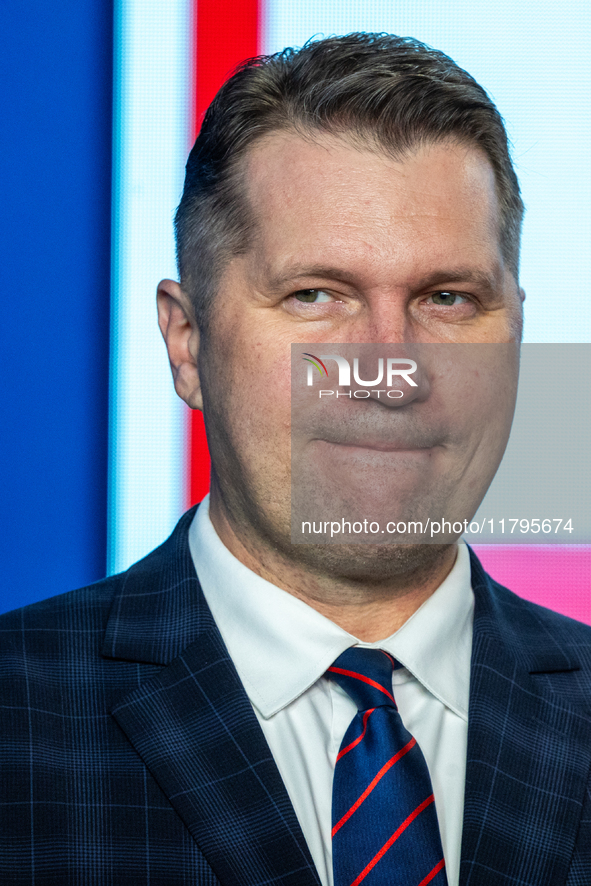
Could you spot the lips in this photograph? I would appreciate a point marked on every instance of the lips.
(410, 434)
(365, 425)
(379, 445)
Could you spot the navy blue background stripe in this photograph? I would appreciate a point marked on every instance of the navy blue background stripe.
(56, 75)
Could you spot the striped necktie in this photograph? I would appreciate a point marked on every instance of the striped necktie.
(385, 830)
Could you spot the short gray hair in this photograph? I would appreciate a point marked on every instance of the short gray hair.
(393, 91)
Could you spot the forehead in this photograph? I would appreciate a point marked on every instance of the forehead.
(326, 193)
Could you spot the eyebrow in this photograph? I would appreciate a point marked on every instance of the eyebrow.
(484, 279)
(292, 274)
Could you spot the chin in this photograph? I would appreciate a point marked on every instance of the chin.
(367, 563)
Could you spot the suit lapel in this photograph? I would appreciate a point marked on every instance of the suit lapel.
(196, 731)
(529, 752)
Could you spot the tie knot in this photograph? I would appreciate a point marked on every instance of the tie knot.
(366, 676)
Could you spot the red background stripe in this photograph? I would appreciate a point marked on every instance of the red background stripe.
(225, 33)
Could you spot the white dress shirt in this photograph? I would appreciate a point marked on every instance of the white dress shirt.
(282, 647)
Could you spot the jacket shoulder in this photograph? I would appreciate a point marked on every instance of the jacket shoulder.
(50, 612)
(551, 647)
(83, 625)
(38, 640)
(90, 606)
(517, 620)
(551, 625)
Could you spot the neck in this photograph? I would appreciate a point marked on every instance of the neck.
(370, 608)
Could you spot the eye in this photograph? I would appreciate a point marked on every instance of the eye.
(447, 299)
(312, 296)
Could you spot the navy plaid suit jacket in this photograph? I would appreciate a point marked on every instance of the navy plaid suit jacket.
(130, 754)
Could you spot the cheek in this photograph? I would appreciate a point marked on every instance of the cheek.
(264, 402)
(250, 384)
(483, 398)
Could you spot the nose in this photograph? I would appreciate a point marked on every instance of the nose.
(395, 375)
(383, 352)
(385, 319)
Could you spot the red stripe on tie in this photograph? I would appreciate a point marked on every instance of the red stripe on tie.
(387, 654)
(373, 783)
(363, 679)
(359, 737)
(438, 867)
(392, 840)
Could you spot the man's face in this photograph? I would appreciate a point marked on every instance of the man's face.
(350, 246)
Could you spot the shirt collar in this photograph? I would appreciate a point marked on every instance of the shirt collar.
(435, 644)
(281, 646)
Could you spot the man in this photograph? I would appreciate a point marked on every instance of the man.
(204, 716)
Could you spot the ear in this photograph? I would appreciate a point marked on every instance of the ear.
(179, 329)
(522, 294)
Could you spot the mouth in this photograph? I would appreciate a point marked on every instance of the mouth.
(396, 447)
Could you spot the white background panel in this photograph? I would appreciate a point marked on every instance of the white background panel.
(151, 124)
